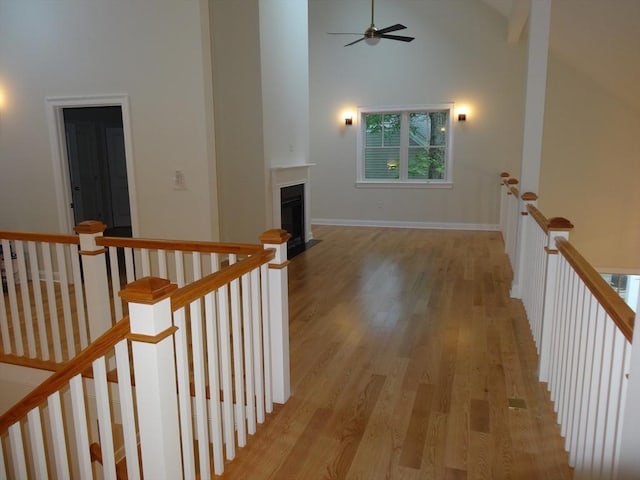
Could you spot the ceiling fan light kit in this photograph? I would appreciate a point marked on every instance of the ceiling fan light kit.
(372, 35)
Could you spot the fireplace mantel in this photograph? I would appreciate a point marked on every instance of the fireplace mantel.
(285, 176)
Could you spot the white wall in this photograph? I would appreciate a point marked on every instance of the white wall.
(285, 81)
(459, 55)
(153, 51)
(591, 166)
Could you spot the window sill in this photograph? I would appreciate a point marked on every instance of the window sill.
(373, 184)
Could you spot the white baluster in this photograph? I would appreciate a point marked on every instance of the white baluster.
(225, 369)
(238, 368)
(257, 343)
(127, 410)
(27, 317)
(213, 364)
(18, 453)
(82, 325)
(79, 415)
(184, 391)
(58, 435)
(37, 444)
(66, 305)
(247, 334)
(7, 250)
(200, 400)
(115, 281)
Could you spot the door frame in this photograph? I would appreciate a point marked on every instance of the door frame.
(55, 121)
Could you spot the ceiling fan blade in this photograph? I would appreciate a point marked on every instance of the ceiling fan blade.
(359, 40)
(398, 37)
(343, 33)
(392, 28)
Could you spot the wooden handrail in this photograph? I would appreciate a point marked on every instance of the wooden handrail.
(537, 215)
(187, 294)
(179, 245)
(40, 237)
(613, 304)
(59, 379)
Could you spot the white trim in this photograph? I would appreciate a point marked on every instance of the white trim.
(402, 184)
(55, 120)
(399, 224)
(287, 167)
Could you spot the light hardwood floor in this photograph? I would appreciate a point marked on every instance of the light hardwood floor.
(405, 353)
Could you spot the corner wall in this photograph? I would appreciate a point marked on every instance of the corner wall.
(238, 118)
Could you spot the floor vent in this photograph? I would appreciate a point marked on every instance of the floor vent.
(517, 404)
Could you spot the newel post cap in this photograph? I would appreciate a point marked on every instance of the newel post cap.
(505, 175)
(147, 290)
(275, 236)
(529, 196)
(90, 226)
(559, 223)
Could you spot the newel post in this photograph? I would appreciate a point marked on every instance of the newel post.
(556, 227)
(279, 313)
(94, 268)
(153, 365)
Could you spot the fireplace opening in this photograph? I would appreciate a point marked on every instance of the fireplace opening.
(292, 217)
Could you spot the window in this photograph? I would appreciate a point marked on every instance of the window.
(405, 146)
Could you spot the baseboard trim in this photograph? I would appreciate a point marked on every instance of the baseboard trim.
(343, 222)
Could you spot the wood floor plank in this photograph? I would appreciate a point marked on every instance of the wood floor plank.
(414, 440)
(479, 417)
(354, 428)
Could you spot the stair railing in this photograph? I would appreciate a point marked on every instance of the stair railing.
(583, 332)
(37, 438)
(45, 303)
(229, 365)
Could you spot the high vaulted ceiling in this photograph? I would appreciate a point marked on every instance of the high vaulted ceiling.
(600, 38)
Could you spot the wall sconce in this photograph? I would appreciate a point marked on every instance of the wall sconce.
(463, 111)
(348, 118)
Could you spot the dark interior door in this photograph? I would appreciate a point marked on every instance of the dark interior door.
(98, 167)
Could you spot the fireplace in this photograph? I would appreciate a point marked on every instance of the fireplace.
(292, 217)
(290, 202)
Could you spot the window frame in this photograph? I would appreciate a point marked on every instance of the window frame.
(403, 181)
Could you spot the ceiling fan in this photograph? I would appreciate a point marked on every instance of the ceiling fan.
(372, 35)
